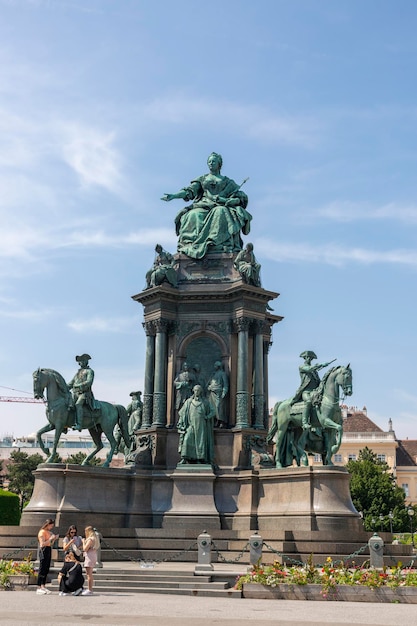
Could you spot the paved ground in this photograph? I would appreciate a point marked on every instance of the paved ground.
(25, 608)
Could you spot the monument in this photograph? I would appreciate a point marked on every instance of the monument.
(200, 452)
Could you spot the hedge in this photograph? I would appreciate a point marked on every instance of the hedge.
(9, 508)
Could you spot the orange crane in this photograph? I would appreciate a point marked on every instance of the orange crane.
(20, 399)
(29, 397)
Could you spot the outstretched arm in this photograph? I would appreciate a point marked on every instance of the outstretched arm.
(167, 197)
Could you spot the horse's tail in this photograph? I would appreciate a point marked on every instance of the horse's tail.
(274, 424)
(123, 422)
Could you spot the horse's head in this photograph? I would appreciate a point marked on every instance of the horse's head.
(38, 384)
(344, 378)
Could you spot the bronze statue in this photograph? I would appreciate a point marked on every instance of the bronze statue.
(60, 413)
(183, 384)
(247, 266)
(217, 215)
(195, 426)
(81, 389)
(162, 269)
(310, 380)
(217, 389)
(134, 411)
(199, 378)
(293, 440)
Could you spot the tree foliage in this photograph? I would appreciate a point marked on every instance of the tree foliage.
(375, 493)
(20, 474)
(78, 457)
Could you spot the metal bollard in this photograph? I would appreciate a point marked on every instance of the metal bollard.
(256, 543)
(204, 553)
(376, 551)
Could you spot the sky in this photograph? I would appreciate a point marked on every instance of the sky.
(105, 105)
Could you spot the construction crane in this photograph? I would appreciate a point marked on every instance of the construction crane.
(21, 399)
(29, 397)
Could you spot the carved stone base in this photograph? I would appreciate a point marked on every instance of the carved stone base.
(307, 498)
(192, 503)
(99, 496)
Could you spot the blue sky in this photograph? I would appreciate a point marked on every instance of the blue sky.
(105, 105)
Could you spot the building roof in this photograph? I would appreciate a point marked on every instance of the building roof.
(406, 452)
(358, 422)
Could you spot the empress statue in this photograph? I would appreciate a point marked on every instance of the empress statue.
(217, 216)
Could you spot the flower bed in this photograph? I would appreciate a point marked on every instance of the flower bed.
(16, 574)
(330, 582)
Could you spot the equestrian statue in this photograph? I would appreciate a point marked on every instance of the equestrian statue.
(78, 410)
(311, 421)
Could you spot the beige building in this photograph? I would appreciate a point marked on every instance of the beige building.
(401, 455)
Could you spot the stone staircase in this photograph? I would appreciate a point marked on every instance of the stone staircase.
(157, 546)
(175, 581)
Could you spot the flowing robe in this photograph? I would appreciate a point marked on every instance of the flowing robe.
(196, 430)
(208, 226)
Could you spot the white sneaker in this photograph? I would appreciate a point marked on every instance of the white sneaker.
(41, 592)
(62, 593)
(47, 590)
(78, 592)
(87, 592)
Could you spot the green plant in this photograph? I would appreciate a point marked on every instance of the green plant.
(11, 568)
(330, 575)
(20, 474)
(9, 508)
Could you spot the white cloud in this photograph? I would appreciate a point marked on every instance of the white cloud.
(345, 211)
(333, 254)
(101, 239)
(92, 154)
(253, 121)
(26, 314)
(104, 325)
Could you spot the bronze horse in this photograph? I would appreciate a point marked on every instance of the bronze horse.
(325, 435)
(61, 414)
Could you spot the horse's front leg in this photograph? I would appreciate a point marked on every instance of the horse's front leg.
(46, 429)
(59, 429)
(96, 437)
(113, 446)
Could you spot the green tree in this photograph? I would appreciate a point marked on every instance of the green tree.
(78, 457)
(20, 474)
(375, 493)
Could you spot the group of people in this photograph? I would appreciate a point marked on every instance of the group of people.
(78, 552)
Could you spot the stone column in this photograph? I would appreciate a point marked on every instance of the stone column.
(159, 388)
(149, 375)
(267, 345)
(258, 375)
(242, 392)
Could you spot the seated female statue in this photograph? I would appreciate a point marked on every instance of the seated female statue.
(217, 215)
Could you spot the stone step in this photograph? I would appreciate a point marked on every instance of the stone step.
(161, 584)
(179, 591)
(149, 575)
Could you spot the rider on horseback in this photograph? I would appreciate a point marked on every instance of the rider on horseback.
(81, 389)
(310, 380)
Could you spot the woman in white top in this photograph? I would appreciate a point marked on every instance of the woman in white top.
(73, 543)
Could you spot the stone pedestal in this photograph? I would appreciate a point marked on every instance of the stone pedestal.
(307, 498)
(192, 503)
(193, 496)
(96, 496)
(211, 316)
